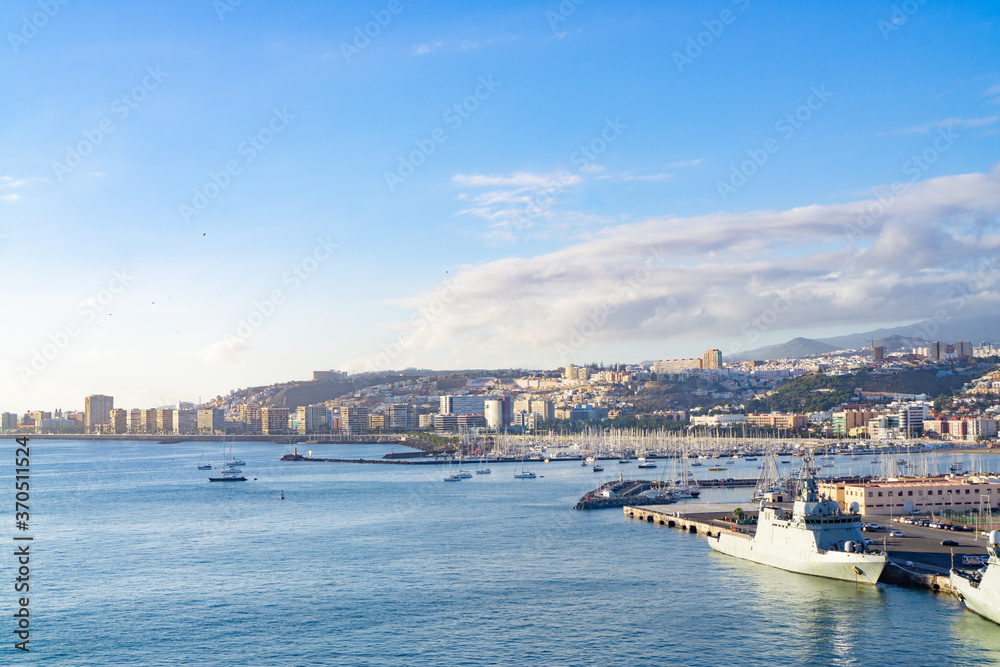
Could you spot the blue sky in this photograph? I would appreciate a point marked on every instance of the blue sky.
(479, 184)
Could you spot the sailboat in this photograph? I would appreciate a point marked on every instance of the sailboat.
(229, 473)
(524, 474)
(204, 466)
(482, 469)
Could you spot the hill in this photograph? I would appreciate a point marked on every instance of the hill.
(793, 349)
(818, 392)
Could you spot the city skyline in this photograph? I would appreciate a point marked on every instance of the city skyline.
(201, 197)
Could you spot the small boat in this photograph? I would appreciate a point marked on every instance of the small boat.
(237, 462)
(206, 466)
(647, 464)
(624, 460)
(786, 460)
(229, 475)
(598, 468)
(750, 458)
(483, 471)
(696, 462)
(526, 474)
(955, 467)
(583, 464)
(463, 474)
(453, 478)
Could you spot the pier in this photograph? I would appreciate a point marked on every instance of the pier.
(916, 561)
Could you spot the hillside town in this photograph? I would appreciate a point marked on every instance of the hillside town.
(704, 395)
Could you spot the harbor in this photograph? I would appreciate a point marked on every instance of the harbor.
(917, 559)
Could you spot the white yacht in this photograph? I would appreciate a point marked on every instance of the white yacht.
(981, 591)
(815, 538)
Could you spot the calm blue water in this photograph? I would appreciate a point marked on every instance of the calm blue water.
(139, 560)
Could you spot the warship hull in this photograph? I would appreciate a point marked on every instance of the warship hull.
(840, 565)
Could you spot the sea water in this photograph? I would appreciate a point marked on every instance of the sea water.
(137, 559)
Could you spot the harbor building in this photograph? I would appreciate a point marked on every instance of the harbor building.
(164, 420)
(250, 417)
(402, 416)
(185, 421)
(211, 420)
(312, 419)
(8, 421)
(274, 421)
(494, 414)
(846, 420)
(96, 411)
(927, 494)
(118, 421)
(353, 419)
(463, 405)
(777, 420)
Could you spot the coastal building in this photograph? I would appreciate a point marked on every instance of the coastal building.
(274, 420)
(118, 421)
(376, 422)
(97, 411)
(250, 418)
(494, 414)
(778, 420)
(353, 419)
(463, 405)
(134, 421)
(928, 494)
(164, 420)
(8, 421)
(844, 421)
(402, 416)
(723, 420)
(312, 419)
(211, 420)
(185, 421)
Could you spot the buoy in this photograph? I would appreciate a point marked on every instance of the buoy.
(282, 494)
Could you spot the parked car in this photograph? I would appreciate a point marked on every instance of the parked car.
(868, 541)
(918, 511)
(897, 533)
(949, 543)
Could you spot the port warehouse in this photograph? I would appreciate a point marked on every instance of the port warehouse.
(928, 494)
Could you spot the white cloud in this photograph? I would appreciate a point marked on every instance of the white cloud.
(629, 176)
(226, 351)
(947, 122)
(684, 163)
(936, 248)
(10, 198)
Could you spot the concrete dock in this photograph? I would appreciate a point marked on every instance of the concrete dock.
(916, 560)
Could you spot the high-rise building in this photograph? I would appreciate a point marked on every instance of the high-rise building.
(545, 408)
(164, 420)
(462, 405)
(250, 417)
(711, 359)
(570, 373)
(211, 420)
(878, 352)
(274, 420)
(494, 414)
(312, 418)
(118, 421)
(134, 420)
(185, 422)
(8, 421)
(936, 349)
(402, 416)
(353, 419)
(96, 411)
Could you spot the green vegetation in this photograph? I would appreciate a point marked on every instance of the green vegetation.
(818, 392)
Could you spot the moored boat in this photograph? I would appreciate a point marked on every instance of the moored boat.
(815, 538)
(980, 591)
